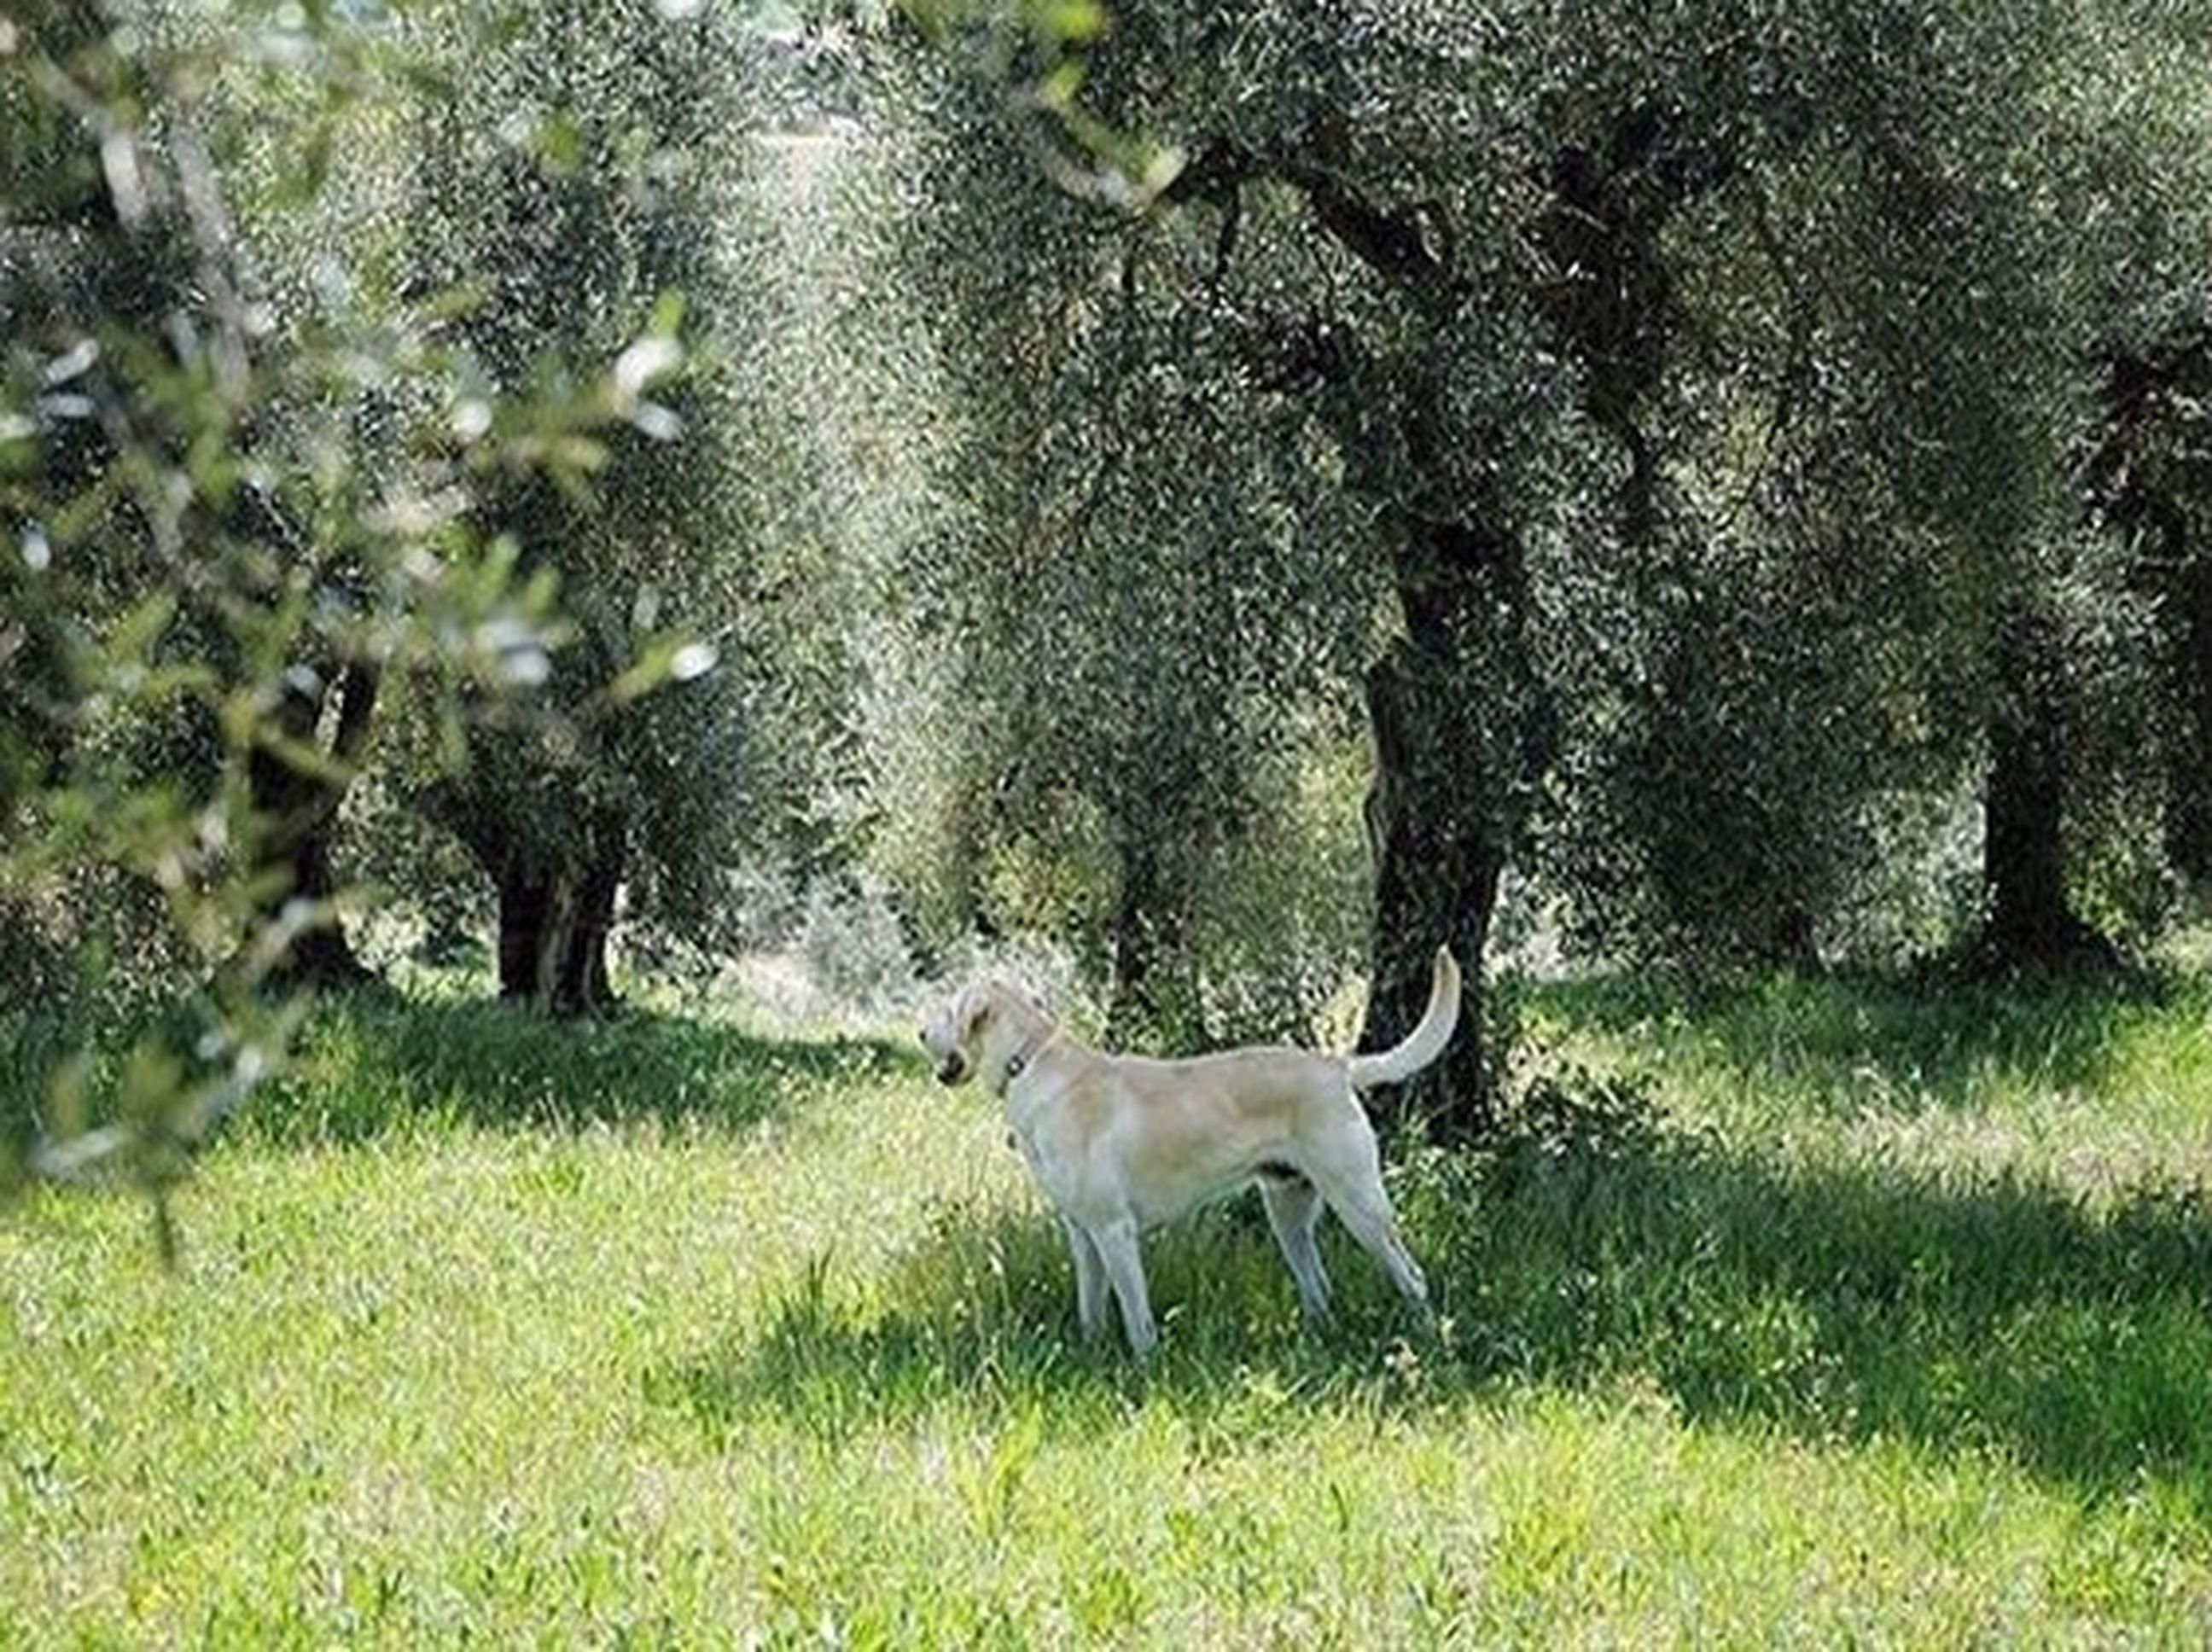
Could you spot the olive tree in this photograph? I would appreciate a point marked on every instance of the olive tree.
(2145, 179)
(1149, 609)
(569, 196)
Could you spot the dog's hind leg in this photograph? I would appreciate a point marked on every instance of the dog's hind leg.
(1090, 1285)
(1293, 1207)
(1353, 1188)
(1368, 1218)
(1116, 1245)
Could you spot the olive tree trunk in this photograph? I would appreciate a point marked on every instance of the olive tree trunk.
(1154, 1001)
(555, 916)
(557, 898)
(2189, 823)
(1438, 857)
(1458, 738)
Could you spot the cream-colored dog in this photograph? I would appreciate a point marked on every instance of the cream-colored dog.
(1122, 1143)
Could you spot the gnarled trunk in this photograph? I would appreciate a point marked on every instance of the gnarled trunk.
(557, 898)
(2188, 822)
(1439, 851)
(1458, 739)
(554, 918)
(2151, 472)
(1156, 998)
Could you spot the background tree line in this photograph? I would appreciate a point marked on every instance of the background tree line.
(1240, 497)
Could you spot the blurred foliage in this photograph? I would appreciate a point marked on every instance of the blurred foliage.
(232, 466)
(1033, 60)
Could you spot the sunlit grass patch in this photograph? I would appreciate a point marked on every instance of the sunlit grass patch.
(2098, 1083)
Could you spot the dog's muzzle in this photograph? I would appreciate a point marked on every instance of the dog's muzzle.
(951, 1070)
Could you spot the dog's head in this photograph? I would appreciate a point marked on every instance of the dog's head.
(979, 1031)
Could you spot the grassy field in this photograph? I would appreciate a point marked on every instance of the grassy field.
(1800, 1313)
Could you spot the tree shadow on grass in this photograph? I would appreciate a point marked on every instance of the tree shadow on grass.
(370, 1064)
(1820, 1038)
(2002, 1315)
(1834, 1306)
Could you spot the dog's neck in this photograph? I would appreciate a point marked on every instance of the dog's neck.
(1037, 1031)
(1018, 1062)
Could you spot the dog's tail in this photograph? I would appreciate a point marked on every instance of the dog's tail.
(1422, 1045)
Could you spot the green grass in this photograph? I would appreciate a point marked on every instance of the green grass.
(1806, 1312)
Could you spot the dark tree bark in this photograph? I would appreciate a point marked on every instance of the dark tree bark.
(1439, 851)
(2189, 819)
(1460, 728)
(555, 903)
(1449, 703)
(2030, 922)
(1459, 739)
(554, 924)
(2151, 472)
(297, 784)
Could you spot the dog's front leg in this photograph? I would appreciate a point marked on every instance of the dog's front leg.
(1116, 1245)
(1089, 1279)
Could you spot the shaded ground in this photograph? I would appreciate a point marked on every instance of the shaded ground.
(1602, 1244)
